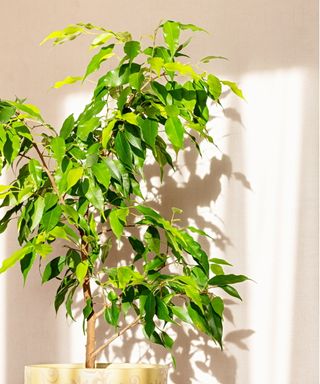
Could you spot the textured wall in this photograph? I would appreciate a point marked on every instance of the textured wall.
(269, 231)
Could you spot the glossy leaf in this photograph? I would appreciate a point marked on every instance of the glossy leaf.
(104, 54)
(6, 111)
(73, 176)
(207, 59)
(39, 207)
(223, 280)
(215, 87)
(67, 127)
(30, 110)
(102, 174)
(81, 270)
(51, 218)
(171, 33)
(234, 88)
(175, 132)
(132, 49)
(58, 147)
(15, 257)
(117, 220)
(67, 80)
(95, 196)
(53, 268)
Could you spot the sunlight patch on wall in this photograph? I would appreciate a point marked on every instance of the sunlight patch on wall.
(272, 146)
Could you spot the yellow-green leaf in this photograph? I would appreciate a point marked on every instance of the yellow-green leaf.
(234, 88)
(183, 69)
(74, 175)
(67, 80)
(81, 271)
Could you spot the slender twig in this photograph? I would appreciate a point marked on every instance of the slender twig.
(115, 336)
(45, 167)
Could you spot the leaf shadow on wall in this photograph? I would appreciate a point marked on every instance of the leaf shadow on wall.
(191, 349)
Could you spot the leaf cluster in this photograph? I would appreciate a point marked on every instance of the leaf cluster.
(81, 185)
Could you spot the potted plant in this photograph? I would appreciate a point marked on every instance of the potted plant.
(80, 185)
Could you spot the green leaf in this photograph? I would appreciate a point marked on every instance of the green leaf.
(58, 147)
(231, 291)
(234, 88)
(31, 111)
(123, 149)
(6, 111)
(183, 69)
(175, 132)
(207, 59)
(104, 54)
(152, 239)
(172, 110)
(132, 49)
(220, 261)
(194, 295)
(87, 310)
(167, 340)
(197, 230)
(156, 64)
(182, 314)
(43, 249)
(222, 280)
(35, 170)
(81, 270)
(130, 118)
(162, 310)
(51, 218)
(191, 27)
(107, 133)
(95, 196)
(16, 256)
(101, 39)
(197, 318)
(117, 219)
(102, 174)
(217, 269)
(26, 263)
(150, 306)
(136, 80)
(215, 87)
(112, 314)
(124, 275)
(171, 33)
(67, 80)
(147, 211)
(87, 126)
(149, 129)
(53, 268)
(68, 33)
(67, 127)
(66, 284)
(73, 176)
(218, 305)
(39, 207)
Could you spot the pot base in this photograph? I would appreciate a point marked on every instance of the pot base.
(103, 374)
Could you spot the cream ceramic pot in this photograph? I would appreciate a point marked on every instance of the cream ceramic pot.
(103, 374)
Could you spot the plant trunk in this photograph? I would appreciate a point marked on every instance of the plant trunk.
(91, 327)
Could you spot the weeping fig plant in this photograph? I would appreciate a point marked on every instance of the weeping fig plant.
(80, 186)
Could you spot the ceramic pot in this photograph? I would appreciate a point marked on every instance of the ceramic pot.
(103, 374)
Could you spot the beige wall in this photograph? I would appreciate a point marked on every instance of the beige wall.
(272, 139)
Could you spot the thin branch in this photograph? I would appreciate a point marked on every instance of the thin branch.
(114, 337)
(45, 167)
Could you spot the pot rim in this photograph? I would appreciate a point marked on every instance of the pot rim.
(99, 366)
